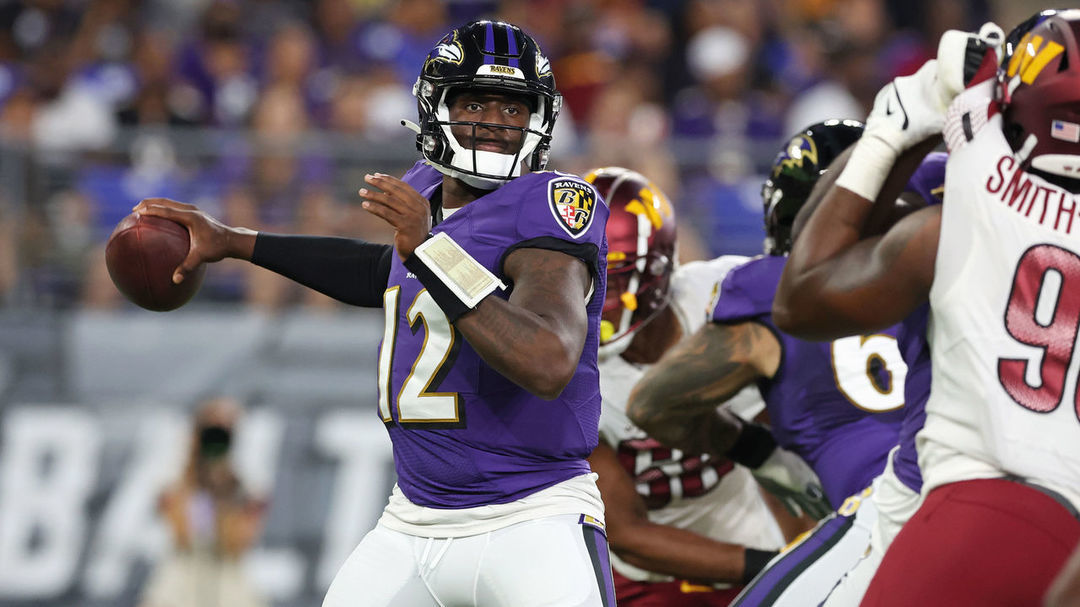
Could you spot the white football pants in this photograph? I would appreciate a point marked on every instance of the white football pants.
(895, 503)
(554, 561)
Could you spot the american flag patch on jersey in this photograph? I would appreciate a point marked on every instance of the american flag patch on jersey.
(1065, 131)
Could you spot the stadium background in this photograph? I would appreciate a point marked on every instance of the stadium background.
(267, 113)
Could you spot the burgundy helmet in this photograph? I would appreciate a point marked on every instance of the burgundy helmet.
(641, 253)
(1039, 90)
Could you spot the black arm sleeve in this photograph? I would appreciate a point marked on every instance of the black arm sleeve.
(351, 271)
(753, 446)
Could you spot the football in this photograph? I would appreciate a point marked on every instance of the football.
(141, 255)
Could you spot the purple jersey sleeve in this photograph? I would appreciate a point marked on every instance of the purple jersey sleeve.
(549, 211)
(916, 353)
(424, 178)
(928, 180)
(747, 291)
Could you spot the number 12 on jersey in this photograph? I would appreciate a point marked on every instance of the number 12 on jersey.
(1044, 312)
(437, 352)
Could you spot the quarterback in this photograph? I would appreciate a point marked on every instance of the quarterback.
(488, 382)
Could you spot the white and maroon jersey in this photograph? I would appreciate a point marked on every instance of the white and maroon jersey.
(1005, 314)
(713, 498)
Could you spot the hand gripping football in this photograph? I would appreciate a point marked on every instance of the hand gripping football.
(141, 255)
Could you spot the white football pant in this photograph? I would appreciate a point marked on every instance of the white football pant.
(554, 561)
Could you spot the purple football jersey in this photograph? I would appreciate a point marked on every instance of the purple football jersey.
(811, 413)
(911, 338)
(929, 182)
(464, 435)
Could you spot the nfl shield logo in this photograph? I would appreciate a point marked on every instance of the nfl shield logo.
(571, 202)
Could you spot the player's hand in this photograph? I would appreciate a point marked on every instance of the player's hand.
(911, 109)
(211, 240)
(401, 206)
(791, 479)
(908, 110)
(965, 59)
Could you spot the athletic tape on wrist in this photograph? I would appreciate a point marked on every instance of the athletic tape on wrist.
(868, 167)
(455, 280)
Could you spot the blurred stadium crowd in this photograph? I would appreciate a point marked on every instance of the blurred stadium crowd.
(268, 112)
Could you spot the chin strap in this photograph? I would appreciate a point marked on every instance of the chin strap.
(482, 183)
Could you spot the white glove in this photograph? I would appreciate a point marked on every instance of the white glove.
(791, 479)
(911, 109)
(960, 56)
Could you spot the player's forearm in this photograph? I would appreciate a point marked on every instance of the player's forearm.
(834, 228)
(351, 271)
(816, 297)
(682, 554)
(535, 338)
(701, 431)
(683, 419)
(675, 401)
(522, 346)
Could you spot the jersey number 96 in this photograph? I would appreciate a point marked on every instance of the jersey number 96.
(1044, 312)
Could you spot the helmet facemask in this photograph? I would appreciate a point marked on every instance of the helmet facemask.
(482, 168)
(643, 286)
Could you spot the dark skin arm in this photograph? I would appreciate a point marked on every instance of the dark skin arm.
(838, 283)
(544, 319)
(675, 402)
(881, 217)
(653, 547)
